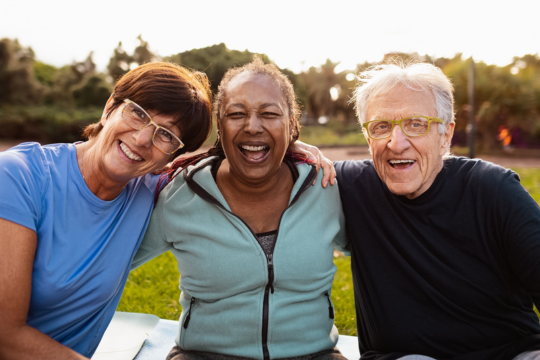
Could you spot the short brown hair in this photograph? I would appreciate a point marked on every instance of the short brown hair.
(167, 89)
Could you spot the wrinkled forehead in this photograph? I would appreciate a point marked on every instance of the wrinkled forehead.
(399, 102)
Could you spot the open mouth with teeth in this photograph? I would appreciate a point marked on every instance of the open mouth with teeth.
(125, 150)
(401, 164)
(254, 153)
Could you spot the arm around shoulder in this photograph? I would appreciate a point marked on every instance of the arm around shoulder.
(154, 242)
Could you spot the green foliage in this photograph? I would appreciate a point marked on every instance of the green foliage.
(214, 60)
(318, 83)
(45, 124)
(94, 92)
(507, 95)
(121, 62)
(44, 73)
(18, 85)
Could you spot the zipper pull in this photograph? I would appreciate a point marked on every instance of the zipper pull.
(188, 317)
(330, 309)
(270, 257)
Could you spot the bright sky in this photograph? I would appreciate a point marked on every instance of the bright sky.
(294, 34)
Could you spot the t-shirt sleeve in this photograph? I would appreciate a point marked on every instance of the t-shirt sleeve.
(23, 182)
(154, 242)
(519, 216)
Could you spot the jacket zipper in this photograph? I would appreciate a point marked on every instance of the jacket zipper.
(188, 317)
(330, 308)
(268, 289)
(269, 258)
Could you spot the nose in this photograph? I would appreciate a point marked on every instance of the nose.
(398, 141)
(253, 124)
(144, 137)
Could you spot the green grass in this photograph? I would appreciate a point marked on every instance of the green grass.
(343, 297)
(530, 179)
(153, 288)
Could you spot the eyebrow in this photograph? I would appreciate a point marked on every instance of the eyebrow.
(267, 105)
(238, 105)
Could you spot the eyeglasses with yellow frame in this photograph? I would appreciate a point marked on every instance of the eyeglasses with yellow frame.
(412, 126)
(138, 119)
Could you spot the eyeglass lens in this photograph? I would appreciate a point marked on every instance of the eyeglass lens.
(164, 140)
(416, 126)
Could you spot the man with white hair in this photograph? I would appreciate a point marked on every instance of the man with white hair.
(445, 250)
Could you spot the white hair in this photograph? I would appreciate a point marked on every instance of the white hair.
(417, 76)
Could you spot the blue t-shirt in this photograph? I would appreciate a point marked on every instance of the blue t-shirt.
(85, 245)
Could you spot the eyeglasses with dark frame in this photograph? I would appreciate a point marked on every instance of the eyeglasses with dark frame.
(412, 126)
(138, 119)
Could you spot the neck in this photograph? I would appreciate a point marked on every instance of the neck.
(95, 175)
(257, 190)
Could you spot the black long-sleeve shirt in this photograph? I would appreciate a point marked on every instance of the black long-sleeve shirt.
(451, 274)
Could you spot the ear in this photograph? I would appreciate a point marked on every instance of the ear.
(106, 109)
(292, 128)
(446, 140)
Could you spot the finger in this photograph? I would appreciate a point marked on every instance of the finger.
(317, 167)
(328, 170)
(334, 175)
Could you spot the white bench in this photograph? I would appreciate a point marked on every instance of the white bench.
(129, 331)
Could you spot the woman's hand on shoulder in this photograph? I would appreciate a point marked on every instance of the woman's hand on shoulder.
(316, 157)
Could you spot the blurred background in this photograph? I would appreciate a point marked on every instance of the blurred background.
(59, 60)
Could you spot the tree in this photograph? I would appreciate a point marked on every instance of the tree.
(121, 62)
(18, 84)
(214, 60)
(142, 53)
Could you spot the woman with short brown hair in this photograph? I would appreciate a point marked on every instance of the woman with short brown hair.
(73, 215)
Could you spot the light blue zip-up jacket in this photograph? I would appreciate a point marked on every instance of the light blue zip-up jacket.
(234, 296)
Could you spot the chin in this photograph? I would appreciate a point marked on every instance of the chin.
(400, 190)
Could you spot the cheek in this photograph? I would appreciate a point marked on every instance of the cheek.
(160, 159)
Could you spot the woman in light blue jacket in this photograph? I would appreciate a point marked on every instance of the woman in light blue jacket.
(253, 239)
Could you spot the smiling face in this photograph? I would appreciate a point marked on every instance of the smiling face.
(125, 153)
(407, 165)
(255, 127)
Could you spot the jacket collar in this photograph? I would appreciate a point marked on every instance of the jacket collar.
(199, 178)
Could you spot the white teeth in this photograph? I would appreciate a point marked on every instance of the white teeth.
(253, 148)
(128, 153)
(400, 161)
